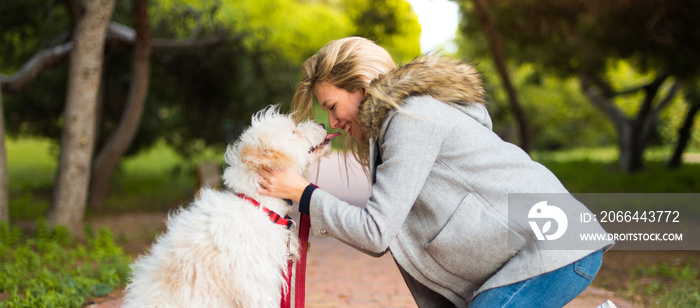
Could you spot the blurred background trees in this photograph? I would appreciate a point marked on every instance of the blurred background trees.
(657, 42)
(198, 91)
(191, 76)
(189, 73)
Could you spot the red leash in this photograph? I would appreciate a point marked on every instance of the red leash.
(300, 281)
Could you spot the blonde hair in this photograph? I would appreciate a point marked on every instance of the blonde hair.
(349, 63)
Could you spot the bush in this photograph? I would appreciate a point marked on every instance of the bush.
(53, 269)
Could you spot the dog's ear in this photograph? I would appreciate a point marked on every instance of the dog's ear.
(261, 156)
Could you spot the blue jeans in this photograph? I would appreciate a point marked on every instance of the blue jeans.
(553, 289)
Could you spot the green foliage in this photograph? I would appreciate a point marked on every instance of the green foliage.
(559, 115)
(52, 269)
(288, 28)
(26, 26)
(624, 75)
(627, 43)
(37, 110)
(292, 28)
(197, 95)
(221, 93)
(569, 35)
(390, 23)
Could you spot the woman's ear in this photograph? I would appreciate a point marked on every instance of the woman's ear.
(258, 156)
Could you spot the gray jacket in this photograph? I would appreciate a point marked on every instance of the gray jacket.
(439, 202)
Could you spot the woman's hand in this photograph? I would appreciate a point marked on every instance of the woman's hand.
(283, 184)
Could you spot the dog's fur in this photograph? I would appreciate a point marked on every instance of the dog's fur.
(222, 251)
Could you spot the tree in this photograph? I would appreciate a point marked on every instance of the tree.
(584, 38)
(4, 210)
(249, 59)
(634, 133)
(693, 99)
(118, 143)
(77, 142)
(117, 37)
(496, 45)
(202, 91)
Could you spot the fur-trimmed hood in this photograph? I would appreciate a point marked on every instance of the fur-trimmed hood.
(447, 80)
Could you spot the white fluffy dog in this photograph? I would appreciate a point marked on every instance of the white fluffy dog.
(222, 250)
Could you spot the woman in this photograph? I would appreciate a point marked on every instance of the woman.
(440, 182)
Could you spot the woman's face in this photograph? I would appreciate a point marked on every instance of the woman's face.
(342, 107)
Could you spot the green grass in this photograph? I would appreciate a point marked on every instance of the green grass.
(157, 179)
(597, 171)
(31, 163)
(600, 155)
(665, 285)
(31, 169)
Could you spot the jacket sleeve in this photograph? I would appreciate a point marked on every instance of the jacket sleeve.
(408, 149)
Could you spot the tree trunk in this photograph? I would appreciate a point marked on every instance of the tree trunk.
(120, 141)
(77, 141)
(495, 43)
(632, 151)
(633, 134)
(684, 133)
(4, 209)
(602, 99)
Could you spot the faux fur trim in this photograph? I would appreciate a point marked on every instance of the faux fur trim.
(447, 80)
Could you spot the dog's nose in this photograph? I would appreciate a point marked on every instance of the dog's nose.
(322, 125)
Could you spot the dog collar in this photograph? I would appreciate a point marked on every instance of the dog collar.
(275, 218)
